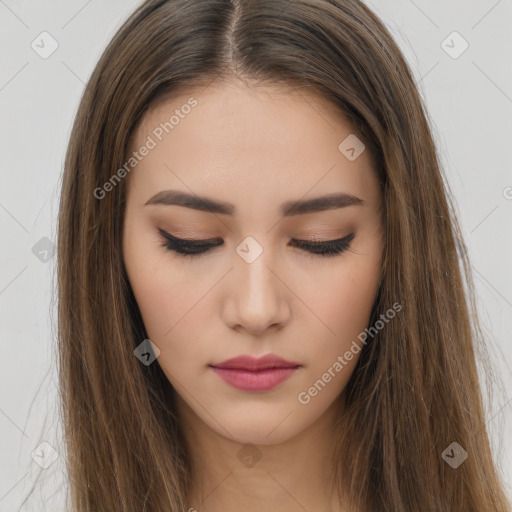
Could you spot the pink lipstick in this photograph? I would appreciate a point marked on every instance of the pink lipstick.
(255, 374)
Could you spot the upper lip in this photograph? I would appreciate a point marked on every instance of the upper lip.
(256, 363)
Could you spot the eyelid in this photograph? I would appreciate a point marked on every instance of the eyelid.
(327, 248)
(192, 241)
(187, 247)
(310, 241)
(320, 240)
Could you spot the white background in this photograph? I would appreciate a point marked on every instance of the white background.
(469, 99)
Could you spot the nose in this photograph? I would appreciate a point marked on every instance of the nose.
(260, 301)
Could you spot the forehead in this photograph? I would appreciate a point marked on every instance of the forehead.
(268, 141)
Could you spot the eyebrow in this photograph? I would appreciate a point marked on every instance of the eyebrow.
(289, 208)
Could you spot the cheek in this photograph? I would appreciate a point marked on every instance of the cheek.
(354, 306)
(343, 299)
(343, 302)
(171, 309)
(166, 304)
(162, 297)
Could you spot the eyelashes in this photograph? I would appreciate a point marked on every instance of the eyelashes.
(188, 247)
(191, 248)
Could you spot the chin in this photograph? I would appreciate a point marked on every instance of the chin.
(260, 431)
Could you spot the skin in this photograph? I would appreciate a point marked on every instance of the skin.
(255, 147)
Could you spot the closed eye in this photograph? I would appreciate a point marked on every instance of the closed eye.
(327, 248)
(190, 248)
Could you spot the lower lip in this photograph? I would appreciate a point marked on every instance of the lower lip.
(247, 380)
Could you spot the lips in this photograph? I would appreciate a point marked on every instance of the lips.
(248, 373)
(254, 364)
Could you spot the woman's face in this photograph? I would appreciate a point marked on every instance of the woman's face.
(250, 154)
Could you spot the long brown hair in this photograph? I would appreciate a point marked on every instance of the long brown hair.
(415, 389)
